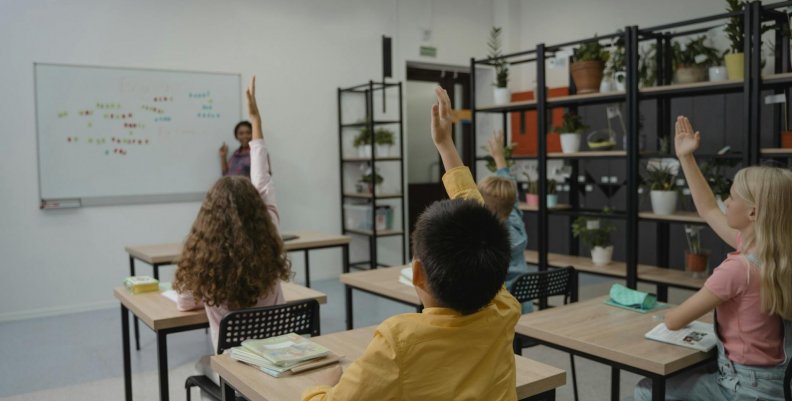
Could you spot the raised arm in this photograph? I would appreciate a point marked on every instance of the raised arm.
(686, 141)
(260, 173)
(224, 158)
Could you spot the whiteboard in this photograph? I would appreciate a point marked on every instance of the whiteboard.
(123, 135)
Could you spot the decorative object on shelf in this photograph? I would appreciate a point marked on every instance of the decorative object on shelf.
(552, 193)
(502, 94)
(383, 139)
(383, 218)
(601, 139)
(616, 69)
(532, 194)
(588, 67)
(718, 73)
(661, 179)
(571, 128)
(696, 258)
(714, 170)
(647, 68)
(369, 179)
(596, 234)
(363, 143)
(691, 63)
(734, 57)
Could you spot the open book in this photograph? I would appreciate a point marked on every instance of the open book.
(696, 335)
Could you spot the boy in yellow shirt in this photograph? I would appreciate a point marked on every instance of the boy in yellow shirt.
(460, 346)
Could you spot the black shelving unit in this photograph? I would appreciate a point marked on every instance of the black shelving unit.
(750, 89)
(367, 92)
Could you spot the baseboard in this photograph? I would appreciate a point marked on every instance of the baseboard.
(57, 311)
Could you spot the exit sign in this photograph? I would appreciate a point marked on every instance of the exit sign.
(429, 51)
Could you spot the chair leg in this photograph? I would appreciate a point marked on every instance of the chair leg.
(188, 394)
(516, 344)
(574, 376)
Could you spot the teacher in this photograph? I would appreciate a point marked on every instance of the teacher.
(239, 162)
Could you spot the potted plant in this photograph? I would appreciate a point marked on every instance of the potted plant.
(617, 66)
(368, 181)
(570, 130)
(363, 143)
(552, 194)
(588, 66)
(696, 258)
(734, 56)
(502, 94)
(383, 138)
(532, 194)
(692, 62)
(661, 180)
(596, 235)
(714, 171)
(647, 68)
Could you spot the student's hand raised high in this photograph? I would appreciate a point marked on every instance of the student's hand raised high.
(442, 119)
(251, 99)
(495, 149)
(686, 141)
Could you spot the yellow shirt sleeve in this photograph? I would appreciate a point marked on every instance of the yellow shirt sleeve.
(373, 376)
(459, 183)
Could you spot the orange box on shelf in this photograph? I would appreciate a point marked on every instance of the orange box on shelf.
(526, 139)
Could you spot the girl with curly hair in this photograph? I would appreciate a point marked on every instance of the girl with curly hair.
(234, 257)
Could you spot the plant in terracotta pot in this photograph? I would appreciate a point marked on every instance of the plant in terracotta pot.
(362, 143)
(502, 94)
(596, 234)
(660, 179)
(588, 66)
(691, 63)
(570, 130)
(696, 257)
(384, 139)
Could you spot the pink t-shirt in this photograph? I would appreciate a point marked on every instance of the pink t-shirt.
(749, 336)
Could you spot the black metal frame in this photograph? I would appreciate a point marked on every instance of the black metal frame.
(367, 90)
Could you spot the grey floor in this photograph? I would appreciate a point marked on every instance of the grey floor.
(79, 355)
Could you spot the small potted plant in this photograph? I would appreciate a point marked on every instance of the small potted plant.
(696, 258)
(692, 62)
(502, 94)
(647, 68)
(617, 66)
(552, 193)
(363, 143)
(588, 66)
(661, 180)
(532, 194)
(734, 56)
(570, 130)
(596, 235)
(714, 171)
(368, 181)
(383, 138)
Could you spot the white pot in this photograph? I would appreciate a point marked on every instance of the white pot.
(620, 81)
(383, 150)
(502, 96)
(718, 73)
(663, 202)
(721, 203)
(364, 151)
(606, 85)
(601, 256)
(570, 142)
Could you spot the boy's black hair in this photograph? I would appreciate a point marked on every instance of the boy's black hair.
(465, 251)
(242, 124)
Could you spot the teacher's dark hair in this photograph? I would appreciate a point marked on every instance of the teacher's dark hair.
(242, 124)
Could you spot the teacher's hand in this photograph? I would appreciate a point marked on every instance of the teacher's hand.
(224, 151)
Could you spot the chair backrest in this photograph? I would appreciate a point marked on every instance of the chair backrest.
(301, 317)
(540, 285)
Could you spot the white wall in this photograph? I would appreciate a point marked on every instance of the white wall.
(68, 260)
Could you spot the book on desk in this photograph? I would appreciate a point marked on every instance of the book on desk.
(289, 353)
(697, 335)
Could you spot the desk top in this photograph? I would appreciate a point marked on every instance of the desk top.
(383, 281)
(618, 269)
(532, 377)
(169, 253)
(160, 313)
(611, 333)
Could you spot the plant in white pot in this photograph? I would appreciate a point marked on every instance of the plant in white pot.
(660, 178)
(570, 131)
(363, 143)
(596, 234)
(384, 140)
(502, 94)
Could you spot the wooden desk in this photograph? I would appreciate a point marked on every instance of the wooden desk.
(612, 336)
(382, 282)
(168, 254)
(534, 380)
(161, 315)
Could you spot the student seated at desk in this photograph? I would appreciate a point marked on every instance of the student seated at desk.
(460, 346)
(234, 257)
(751, 291)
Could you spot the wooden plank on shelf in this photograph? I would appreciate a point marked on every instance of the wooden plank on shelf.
(694, 85)
(776, 151)
(691, 217)
(585, 97)
(524, 206)
(380, 233)
(368, 196)
(588, 153)
(524, 103)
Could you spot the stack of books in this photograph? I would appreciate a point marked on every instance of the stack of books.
(141, 284)
(289, 353)
(406, 277)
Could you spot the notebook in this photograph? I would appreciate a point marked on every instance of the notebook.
(286, 350)
(697, 335)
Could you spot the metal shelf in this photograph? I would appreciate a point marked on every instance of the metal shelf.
(361, 125)
(370, 196)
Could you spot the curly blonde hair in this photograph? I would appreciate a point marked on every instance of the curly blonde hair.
(234, 254)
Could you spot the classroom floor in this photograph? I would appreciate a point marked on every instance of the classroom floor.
(78, 356)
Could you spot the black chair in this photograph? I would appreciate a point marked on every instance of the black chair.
(540, 285)
(300, 317)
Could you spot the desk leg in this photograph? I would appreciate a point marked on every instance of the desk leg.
(345, 252)
(658, 388)
(137, 326)
(156, 270)
(615, 383)
(307, 270)
(125, 345)
(226, 391)
(348, 298)
(162, 362)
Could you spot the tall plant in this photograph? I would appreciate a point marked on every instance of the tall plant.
(496, 58)
(734, 29)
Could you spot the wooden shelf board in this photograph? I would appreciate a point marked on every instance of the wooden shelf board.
(368, 159)
(588, 154)
(691, 217)
(524, 206)
(380, 233)
(369, 196)
(776, 151)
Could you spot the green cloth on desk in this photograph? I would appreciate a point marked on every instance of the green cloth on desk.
(639, 301)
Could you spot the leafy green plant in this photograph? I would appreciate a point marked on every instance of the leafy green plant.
(363, 138)
(593, 236)
(507, 152)
(734, 28)
(694, 48)
(618, 57)
(552, 186)
(660, 178)
(369, 178)
(714, 171)
(591, 51)
(572, 123)
(495, 57)
(647, 68)
(383, 136)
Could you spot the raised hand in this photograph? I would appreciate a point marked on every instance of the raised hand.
(251, 99)
(224, 151)
(686, 141)
(442, 118)
(495, 145)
